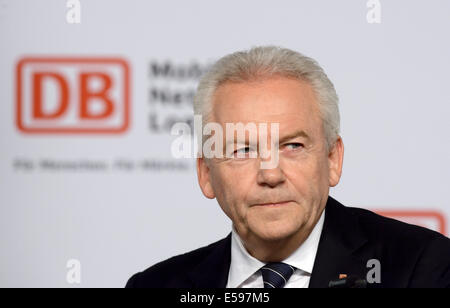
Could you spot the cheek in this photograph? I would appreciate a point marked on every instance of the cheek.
(308, 176)
(231, 186)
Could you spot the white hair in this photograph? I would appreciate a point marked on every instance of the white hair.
(266, 61)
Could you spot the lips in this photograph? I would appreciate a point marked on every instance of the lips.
(274, 204)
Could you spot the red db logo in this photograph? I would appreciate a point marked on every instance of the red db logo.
(429, 219)
(72, 95)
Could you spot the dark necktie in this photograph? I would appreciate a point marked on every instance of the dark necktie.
(276, 275)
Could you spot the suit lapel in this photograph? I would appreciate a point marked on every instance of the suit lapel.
(212, 272)
(341, 237)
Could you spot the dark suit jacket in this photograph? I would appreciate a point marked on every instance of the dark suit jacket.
(410, 256)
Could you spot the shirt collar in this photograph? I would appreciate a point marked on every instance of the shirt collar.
(243, 265)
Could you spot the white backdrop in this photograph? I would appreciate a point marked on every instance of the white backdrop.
(118, 203)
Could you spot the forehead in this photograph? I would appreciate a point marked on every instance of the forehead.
(290, 102)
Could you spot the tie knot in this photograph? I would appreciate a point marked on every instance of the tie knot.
(276, 274)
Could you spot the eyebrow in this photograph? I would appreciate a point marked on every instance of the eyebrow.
(298, 133)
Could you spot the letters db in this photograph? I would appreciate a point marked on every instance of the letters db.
(72, 95)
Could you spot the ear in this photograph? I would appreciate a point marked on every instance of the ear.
(335, 162)
(204, 178)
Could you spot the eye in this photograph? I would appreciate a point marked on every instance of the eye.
(244, 152)
(242, 149)
(294, 145)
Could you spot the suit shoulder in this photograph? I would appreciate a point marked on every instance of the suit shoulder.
(410, 255)
(170, 272)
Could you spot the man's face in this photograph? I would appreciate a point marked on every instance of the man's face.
(305, 169)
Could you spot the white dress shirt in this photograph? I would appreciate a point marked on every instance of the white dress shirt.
(245, 269)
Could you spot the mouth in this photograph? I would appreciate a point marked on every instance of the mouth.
(278, 204)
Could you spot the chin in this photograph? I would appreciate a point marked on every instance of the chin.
(273, 225)
(275, 231)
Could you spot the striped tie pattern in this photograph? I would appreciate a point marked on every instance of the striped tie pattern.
(276, 274)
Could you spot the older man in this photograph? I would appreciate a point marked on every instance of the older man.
(286, 229)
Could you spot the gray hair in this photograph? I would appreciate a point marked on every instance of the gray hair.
(266, 61)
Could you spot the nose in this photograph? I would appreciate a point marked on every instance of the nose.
(271, 177)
